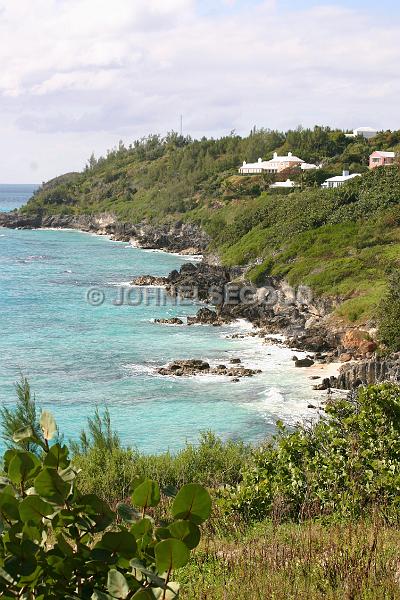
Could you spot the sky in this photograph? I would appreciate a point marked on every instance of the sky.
(77, 76)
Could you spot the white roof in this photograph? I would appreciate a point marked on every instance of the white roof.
(385, 154)
(288, 158)
(266, 164)
(257, 165)
(366, 129)
(342, 177)
(284, 184)
(306, 166)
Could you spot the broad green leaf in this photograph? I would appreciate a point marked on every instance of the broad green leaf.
(33, 508)
(187, 532)
(163, 533)
(146, 494)
(153, 577)
(65, 548)
(98, 510)
(50, 485)
(170, 491)
(57, 457)
(48, 425)
(171, 554)
(145, 595)
(23, 466)
(9, 504)
(8, 456)
(25, 433)
(192, 503)
(118, 542)
(128, 513)
(117, 584)
(142, 528)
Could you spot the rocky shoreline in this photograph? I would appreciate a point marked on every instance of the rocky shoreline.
(275, 307)
(185, 238)
(305, 322)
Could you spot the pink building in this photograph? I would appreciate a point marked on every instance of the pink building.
(379, 158)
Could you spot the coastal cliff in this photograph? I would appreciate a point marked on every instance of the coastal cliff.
(177, 237)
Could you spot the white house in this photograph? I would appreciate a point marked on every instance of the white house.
(275, 165)
(284, 184)
(339, 180)
(365, 132)
(249, 168)
(308, 166)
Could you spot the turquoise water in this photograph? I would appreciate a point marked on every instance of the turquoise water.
(77, 356)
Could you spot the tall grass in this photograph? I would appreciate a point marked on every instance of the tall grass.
(297, 562)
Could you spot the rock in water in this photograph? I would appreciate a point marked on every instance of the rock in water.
(198, 367)
(304, 362)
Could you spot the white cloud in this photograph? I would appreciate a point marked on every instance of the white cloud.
(80, 74)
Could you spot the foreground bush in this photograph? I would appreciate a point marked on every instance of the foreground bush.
(346, 464)
(59, 543)
(109, 472)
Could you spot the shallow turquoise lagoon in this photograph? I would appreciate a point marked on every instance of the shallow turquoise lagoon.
(78, 356)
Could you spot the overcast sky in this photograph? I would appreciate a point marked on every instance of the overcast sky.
(78, 75)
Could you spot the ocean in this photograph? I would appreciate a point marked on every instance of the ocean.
(78, 356)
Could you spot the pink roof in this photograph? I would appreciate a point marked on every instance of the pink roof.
(383, 154)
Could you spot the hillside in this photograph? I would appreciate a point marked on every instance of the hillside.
(340, 242)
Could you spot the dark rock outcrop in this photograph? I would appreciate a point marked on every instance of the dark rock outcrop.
(206, 316)
(173, 321)
(304, 362)
(191, 367)
(176, 237)
(366, 372)
(149, 280)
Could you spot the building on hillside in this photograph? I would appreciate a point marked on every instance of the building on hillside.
(250, 168)
(308, 166)
(365, 132)
(275, 165)
(339, 180)
(381, 158)
(284, 184)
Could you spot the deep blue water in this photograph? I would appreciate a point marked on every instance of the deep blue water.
(77, 356)
(13, 196)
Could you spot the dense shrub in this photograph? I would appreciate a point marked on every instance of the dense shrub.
(211, 462)
(389, 315)
(57, 542)
(344, 464)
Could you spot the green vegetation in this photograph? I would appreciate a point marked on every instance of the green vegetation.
(312, 513)
(389, 314)
(341, 242)
(57, 542)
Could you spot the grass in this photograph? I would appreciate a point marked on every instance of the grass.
(297, 562)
